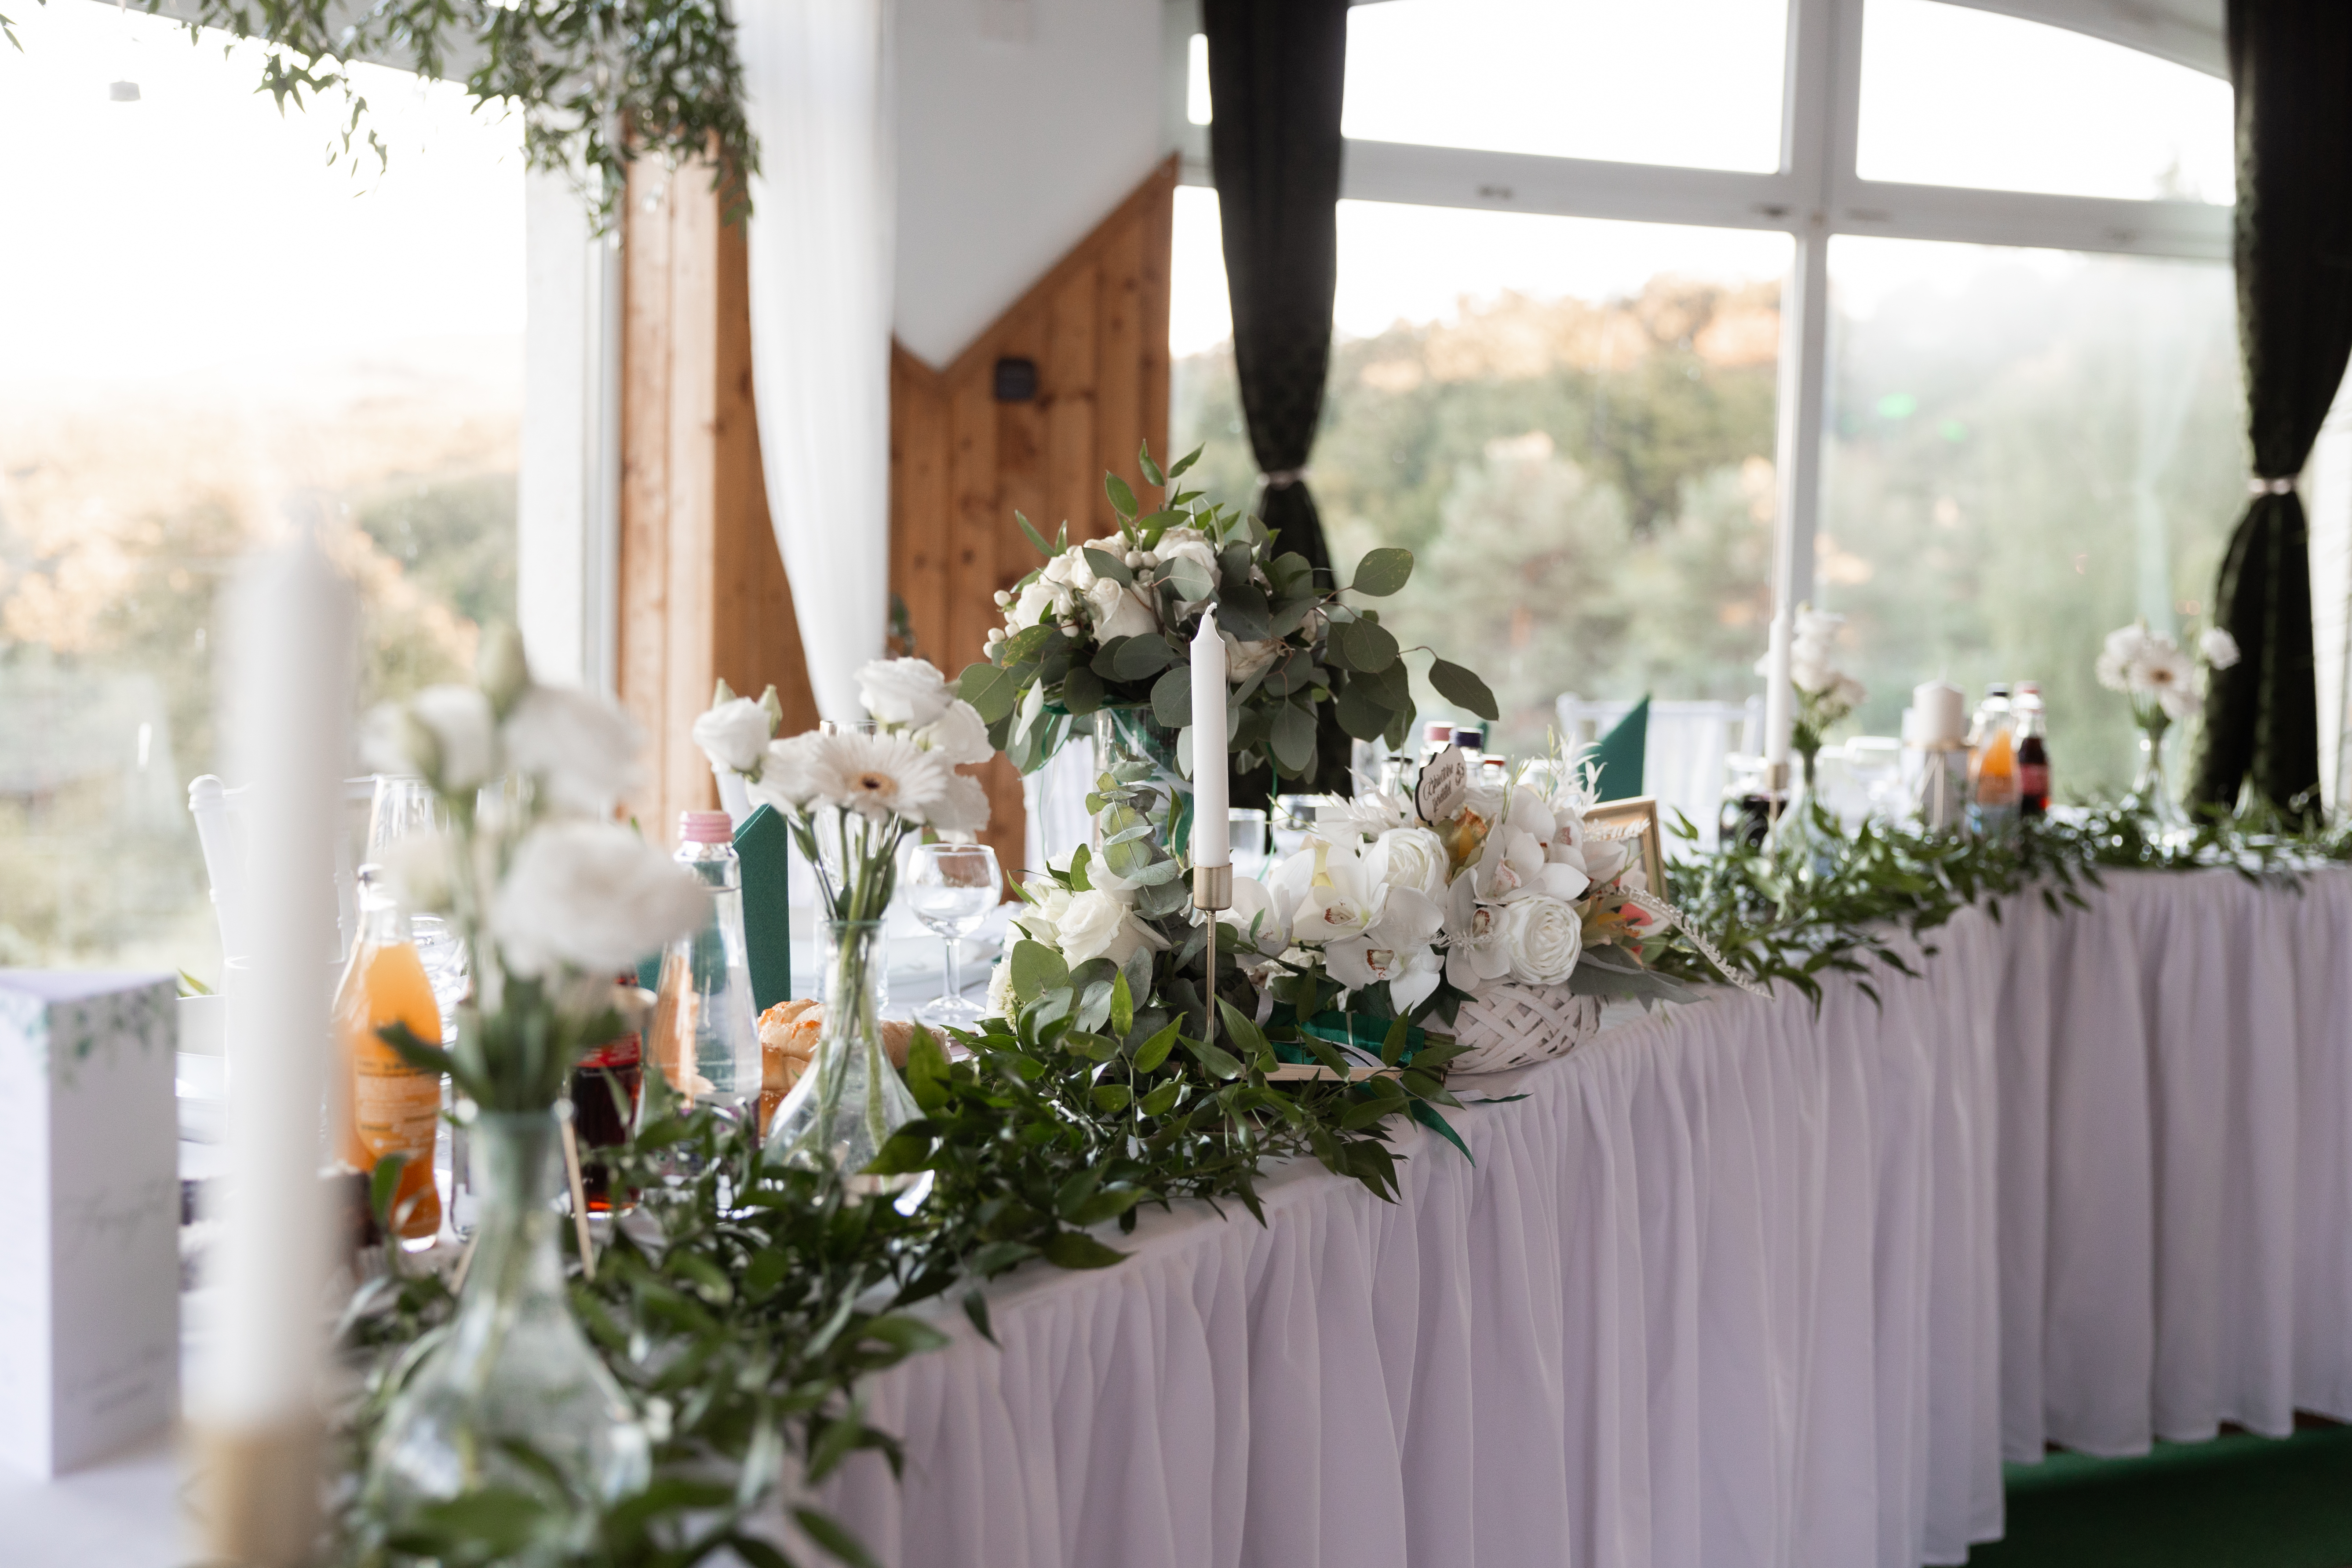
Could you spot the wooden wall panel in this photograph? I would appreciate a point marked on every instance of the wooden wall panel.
(702, 586)
(962, 463)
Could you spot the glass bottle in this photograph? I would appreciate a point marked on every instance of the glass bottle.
(706, 1034)
(605, 1097)
(1992, 766)
(2032, 752)
(387, 1105)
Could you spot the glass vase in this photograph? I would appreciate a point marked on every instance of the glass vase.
(2151, 792)
(513, 1369)
(849, 1100)
(1795, 832)
(1131, 741)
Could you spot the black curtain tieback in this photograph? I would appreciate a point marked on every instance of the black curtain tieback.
(2258, 486)
(1283, 478)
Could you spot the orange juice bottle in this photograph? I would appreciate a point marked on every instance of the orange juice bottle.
(388, 1106)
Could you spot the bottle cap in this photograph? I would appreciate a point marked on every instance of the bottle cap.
(2033, 687)
(1437, 731)
(1997, 689)
(705, 827)
(1469, 735)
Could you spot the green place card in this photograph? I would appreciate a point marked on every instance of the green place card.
(765, 844)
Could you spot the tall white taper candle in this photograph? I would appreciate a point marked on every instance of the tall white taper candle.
(1777, 691)
(1212, 783)
(256, 1405)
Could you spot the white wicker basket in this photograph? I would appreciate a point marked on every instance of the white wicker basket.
(1511, 1025)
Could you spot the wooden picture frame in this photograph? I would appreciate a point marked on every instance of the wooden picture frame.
(1640, 813)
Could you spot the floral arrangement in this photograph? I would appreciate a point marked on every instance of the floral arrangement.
(1397, 908)
(551, 895)
(1824, 694)
(2157, 674)
(1109, 622)
(852, 796)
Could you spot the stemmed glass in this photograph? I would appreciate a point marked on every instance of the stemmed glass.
(952, 887)
(405, 808)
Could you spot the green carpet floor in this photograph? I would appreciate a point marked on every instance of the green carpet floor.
(2239, 1501)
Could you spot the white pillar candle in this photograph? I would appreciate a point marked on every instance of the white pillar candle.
(1212, 786)
(1943, 714)
(288, 696)
(1777, 691)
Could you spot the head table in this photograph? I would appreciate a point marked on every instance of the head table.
(1734, 1284)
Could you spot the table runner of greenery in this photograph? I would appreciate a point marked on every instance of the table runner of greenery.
(742, 1304)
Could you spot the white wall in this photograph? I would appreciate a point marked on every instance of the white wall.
(1021, 124)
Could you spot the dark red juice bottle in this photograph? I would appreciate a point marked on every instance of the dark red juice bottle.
(2033, 753)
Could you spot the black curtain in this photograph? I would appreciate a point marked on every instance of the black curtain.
(1275, 69)
(1275, 75)
(2291, 61)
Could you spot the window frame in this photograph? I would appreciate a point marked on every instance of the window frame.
(1814, 196)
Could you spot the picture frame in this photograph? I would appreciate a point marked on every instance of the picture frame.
(1636, 817)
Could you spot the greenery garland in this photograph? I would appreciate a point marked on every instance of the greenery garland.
(741, 1303)
(600, 83)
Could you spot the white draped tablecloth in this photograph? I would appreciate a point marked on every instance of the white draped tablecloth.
(1739, 1283)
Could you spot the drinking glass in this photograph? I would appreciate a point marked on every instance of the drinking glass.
(1248, 832)
(952, 887)
(407, 808)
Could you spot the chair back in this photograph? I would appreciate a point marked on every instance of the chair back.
(1682, 763)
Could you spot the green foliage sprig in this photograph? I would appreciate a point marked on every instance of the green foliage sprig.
(599, 83)
(1835, 903)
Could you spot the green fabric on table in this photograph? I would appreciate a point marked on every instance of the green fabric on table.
(765, 843)
(1618, 754)
(2236, 1501)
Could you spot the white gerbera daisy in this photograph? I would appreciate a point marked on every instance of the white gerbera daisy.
(877, 776)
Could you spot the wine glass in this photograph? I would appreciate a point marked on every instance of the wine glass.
(405, 808)
(952, 887)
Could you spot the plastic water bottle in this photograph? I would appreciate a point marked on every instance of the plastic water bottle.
(705, 1035)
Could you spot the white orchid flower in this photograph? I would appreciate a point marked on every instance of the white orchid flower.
(1477, 947)
(1394, 947)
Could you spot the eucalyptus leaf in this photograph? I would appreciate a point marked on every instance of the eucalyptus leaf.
(1382, 572)
(1463, 689)
(1171, 698)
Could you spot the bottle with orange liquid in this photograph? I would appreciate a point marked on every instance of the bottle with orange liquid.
(1993, 783)
(387, 1106)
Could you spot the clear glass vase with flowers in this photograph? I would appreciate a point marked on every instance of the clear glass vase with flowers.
(552, 897)
(853, 795)
(2162, 680)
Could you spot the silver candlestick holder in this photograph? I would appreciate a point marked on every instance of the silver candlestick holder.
(1213, 891)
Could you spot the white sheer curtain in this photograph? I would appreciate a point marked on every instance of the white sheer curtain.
(818, 77)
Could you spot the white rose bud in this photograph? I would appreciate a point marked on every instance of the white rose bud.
(1117, 612)
(903, 691)
(734, 734)
(960, 735)
(1096, 925)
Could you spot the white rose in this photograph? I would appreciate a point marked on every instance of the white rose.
(960, 735)
(1001, 1001)
(1118, 612)
(591, 896)
(1096, 925)
(1046, 599)
(2220, 648)
(580, 748)
(908, 692)
(1081, 573)
(443, 733)
(1043, 919)
(1191, 543)
(734, 734)
(1410, 858)
(1243, 659)
(1544, 939)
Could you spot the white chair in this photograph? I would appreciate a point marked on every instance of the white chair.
(1684, 751)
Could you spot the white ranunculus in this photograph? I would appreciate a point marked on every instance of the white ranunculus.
(1193, 544)
(1477, 952)
(2220, 648)
(734, 734)
(960, 735)
(446, 734)
(591, 896)
(1409, 858)
(1244, 659)
(1545, 939)
(1098, 925)
(909, 691)
(1118, 610)
(878, 775)
(963, 809)
(580, 748)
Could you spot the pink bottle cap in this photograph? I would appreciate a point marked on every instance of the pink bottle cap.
(705, 827)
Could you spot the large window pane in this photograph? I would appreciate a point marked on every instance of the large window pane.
(1570, 422)
(1689, 82)
(210, 335)
(1954, 96)
(2027, 448)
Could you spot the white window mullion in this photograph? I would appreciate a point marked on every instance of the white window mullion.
(1566, 187)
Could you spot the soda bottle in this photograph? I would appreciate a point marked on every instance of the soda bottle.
(2033, 753)
(387, 1106)
(1992, 766)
